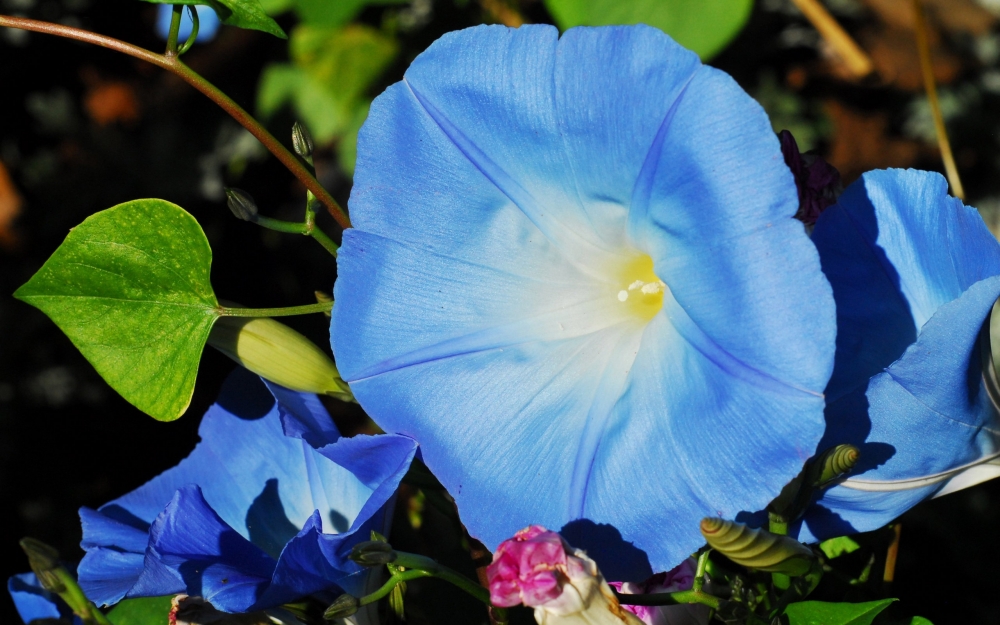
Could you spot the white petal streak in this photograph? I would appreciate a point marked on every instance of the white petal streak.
(578, 319)
(578, 249)
(978, 468)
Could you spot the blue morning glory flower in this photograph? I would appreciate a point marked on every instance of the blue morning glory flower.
(915, 274)
(34, 602)
(264, 511)
(576, 281)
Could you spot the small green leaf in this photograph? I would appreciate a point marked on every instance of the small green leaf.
(919, 620)
(838, 546)
(147, 611)
(822, 613)
(130, 288)
(705, 26)
(240, 13)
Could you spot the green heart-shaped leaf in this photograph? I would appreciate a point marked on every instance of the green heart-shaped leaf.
(704, 26)
(130, 288)
(241, 13)
(146, 611)
(822, 613)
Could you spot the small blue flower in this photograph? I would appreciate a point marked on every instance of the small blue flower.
(575, 279)
(265, 510)
(915, 274)
(34, 602)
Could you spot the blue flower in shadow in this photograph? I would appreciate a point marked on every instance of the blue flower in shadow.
(264, 510)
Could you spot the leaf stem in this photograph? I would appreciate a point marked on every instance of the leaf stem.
(175, 27)
(174, 65)
(319, 307)
(195, 27)
(924, 47)
(417, 562)
(669, 598)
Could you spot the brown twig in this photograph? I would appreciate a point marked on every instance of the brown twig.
(890, 557)
(924, 48)
(846, 48)
(173, 64)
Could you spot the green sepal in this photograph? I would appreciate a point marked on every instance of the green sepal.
(145, 611)
(822, 613)
(704, 26)
(130, 288)
(247, 14)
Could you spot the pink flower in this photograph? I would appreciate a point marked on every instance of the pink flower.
(541, 570)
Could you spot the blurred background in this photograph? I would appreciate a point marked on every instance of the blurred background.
(83, 129)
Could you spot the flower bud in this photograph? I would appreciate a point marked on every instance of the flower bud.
(44, 561)
(302, 141)
(342, 607)
(834, 463)
(373, 553)
(540, 569)
(278, 353)
(242, 204)
(757, 549)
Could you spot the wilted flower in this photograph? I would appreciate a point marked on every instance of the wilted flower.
(915, 274)
(818, 182)
(675, 580)
(539, 569)
(264, 511)
(574, 259)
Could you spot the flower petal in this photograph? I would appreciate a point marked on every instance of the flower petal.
(915, 274)
(32, 601)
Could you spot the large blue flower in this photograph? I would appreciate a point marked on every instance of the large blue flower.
(264, 510)
(915, 274)
(575, 279)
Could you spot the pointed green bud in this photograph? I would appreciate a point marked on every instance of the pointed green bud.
(373, 553)
(278, 353)
(342, 607)
(396, 600)
(834, 463)
(302, 141)
(44, 561)
(757, 549)
(242, 204)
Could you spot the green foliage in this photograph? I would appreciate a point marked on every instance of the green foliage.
(147, 611)
(130, 288)
(328, 80)
(705, 26)
(919, 620)
(822, 613)
(329, 13)
(838, 546)
(241, 13)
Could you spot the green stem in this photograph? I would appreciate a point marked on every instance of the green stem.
(195, 27)
(670, 598)
(699, 573)
(319, 307)
(77, 601)
(175, 27)
(423, 563)
(308, 228)
(387, 587)
(173, 64)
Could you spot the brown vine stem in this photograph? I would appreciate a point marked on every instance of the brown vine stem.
(927, 69)
(172, 63)
(854, 57)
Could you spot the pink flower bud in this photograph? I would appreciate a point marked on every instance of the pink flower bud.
(541, 570)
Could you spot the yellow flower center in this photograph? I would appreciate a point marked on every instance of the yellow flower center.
(641, 290)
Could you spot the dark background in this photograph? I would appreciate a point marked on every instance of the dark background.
(83, 129)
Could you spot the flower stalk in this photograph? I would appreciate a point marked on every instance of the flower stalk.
(173, 64)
